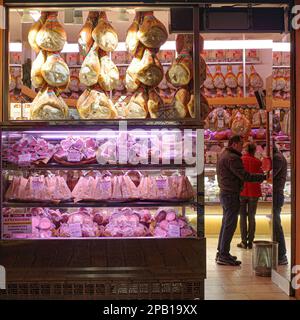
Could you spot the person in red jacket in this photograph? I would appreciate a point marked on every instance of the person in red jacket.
(249, 198)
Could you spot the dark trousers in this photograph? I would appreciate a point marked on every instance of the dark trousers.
(278, 201)
(231, 208)
(247, 212)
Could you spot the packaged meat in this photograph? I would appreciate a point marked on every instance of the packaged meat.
(103, 188)
(37, 79)
(180, 72)
(150, 71)
(48, 105)
(85, 39)
(218, 79)
(34, 29)
(90, 70)
(55, 71)
(84, 189)
(132, 39)
(104, 35)
(94, 104)
(152, 33)
(255, 79)
(109, 74)
(51, 37)
(230, 79)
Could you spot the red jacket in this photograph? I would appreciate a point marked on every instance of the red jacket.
(252, 165)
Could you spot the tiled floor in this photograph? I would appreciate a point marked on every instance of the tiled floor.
(237, 283)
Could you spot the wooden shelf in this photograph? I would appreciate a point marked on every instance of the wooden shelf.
(232, 101)
(281, 104)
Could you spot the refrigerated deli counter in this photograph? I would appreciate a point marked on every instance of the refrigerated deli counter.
(101, 174)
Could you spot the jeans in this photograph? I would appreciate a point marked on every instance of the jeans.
(231, 208)
(248, 210)
(278, 201)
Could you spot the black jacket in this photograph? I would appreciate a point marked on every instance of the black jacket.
(231, 173)
(279, 171)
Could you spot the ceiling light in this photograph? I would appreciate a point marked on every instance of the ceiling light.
(70, 47)
(15, 47)
(26, 17)
(282, 46)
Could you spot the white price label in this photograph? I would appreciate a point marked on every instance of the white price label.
(173, 231)
(24, 159)
(74, 156)
(161, 183)
(75, 230)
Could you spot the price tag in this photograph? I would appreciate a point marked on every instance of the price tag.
(220, 123)
(161, 183)
(37, 184)
(74, 156)
(173, 231)
(75, 230)
(24, 159)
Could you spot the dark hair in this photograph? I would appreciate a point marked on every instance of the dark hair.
(251, 148)
(234, 139)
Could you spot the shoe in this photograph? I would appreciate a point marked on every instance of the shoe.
(250, 245)
(232, 257)
(242, 245)
(228, 261)
(283, 261)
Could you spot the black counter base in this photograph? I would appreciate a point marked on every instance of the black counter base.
(104, 269)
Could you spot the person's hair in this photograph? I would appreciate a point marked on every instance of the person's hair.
(234, 139)
(251, 148)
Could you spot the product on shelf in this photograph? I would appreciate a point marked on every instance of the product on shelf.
(230, 78)
(218, 119)
(255, 79)
(180, 103)
(55, 71)
(131, 81)
(48, 105)
(168, 224)
(132, 39)
(76, 150)
(152, 33)
(51, 37)
(218, 79)
(240, 78)
(90, 69)
(180, 73)
(104, 35)
(240, 125)
(37, 78)
(38, 188)
(155, 104)
(33, 31)
(137, 106)
(108, 75)
(85, 39)
(94, 104)
(30, 150)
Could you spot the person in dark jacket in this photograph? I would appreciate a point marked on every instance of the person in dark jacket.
(249, 198)
(279, 179)
(231, 177)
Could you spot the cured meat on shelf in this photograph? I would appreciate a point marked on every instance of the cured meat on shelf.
(51, 37)
(152, 32)
(76, 150)
(230, 79)
(103, 188)
(180, 72)
(204, 107)
(180, 103)
(37, 78)
(218, 120)
(90, 70)
(85, 39)
(131, 81)
(155, 105)
(30, 150)
(280, 81)
(240, 78)
(48, 105)
(186, 42)
(209, 82)
(39, 188)
(137, 107)
(55, 71)
(255, 79)
(169, 224)
(218, 79)
(240, 125)
(84, 189)
(108, 75)
(132, 39)
(104, 35)
(94, 104)
(33, 31)
(150, 71)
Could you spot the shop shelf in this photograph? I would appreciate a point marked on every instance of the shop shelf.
(101, 204)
